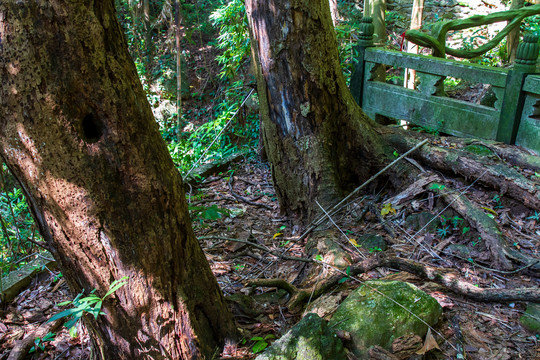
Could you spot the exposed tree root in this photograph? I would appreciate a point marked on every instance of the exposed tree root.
(444, 277)
(491, 173)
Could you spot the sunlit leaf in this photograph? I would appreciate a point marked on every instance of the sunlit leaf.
(355, 244)
(388, 209)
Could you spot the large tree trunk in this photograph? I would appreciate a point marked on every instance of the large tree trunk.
(317, 138)
(77, 131)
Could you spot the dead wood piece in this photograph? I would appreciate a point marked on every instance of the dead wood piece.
(206, 170)
(378, 353)
(510, 153)
(454, 282)
(261, 247)
(416, 188)
(444, 277)
(405, 346)
(491, 173)
(459, 337)
(22, 347)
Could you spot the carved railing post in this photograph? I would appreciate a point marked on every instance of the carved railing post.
(514, 97)
(358, 75)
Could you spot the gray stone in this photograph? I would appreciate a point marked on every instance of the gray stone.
(325, 243)
(310, 339)
(458, 250)
(419, 220)
(373, 317)
(372, 241)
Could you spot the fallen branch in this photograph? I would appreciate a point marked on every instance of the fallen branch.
(444, 277)
(246, 200)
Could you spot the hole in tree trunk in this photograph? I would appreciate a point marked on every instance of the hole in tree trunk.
(92, 128)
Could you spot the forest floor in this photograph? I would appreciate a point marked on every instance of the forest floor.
(233, 210)
(240, 205)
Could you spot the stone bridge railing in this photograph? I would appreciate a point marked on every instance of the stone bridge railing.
(514, 118)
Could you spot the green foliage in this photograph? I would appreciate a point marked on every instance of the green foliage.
(90, 304)
(212, 140)
(39, 343)
(347, 36)
(498, 202)
(261, 343)
(211, 213)
(531, 24)
(343, 279)
(17, 229)
(536, 216)
(443, 232)
(494, 57)
(233, 38)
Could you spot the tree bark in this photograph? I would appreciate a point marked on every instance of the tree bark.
(78, 133)
(512, 40)
(318, 140)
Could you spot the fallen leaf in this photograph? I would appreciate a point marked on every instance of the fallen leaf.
(388, 209)
(429, 344)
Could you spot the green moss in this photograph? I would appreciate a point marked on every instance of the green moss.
(478, 150)
(531, 318)
(378, 317)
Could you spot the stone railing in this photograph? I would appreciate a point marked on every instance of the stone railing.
(514, 117)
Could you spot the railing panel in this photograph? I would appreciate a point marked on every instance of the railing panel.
(446, 115)
(438, 66)
(528, 134)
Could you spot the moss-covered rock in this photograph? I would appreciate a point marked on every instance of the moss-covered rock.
(372, 318)
(310, 339)
(531, 318)
(372, 242)
(324, 243)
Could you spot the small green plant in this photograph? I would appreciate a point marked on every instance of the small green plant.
(39, 343)
(319, 257)
(261, 343)
(443, 232)
(90, 304)
(426, 129)
(374, 249)
(437, 187)
(239, 267)
(498, 202)
(456, 221)
(536, 216)
(211, 213)
(345, 278)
